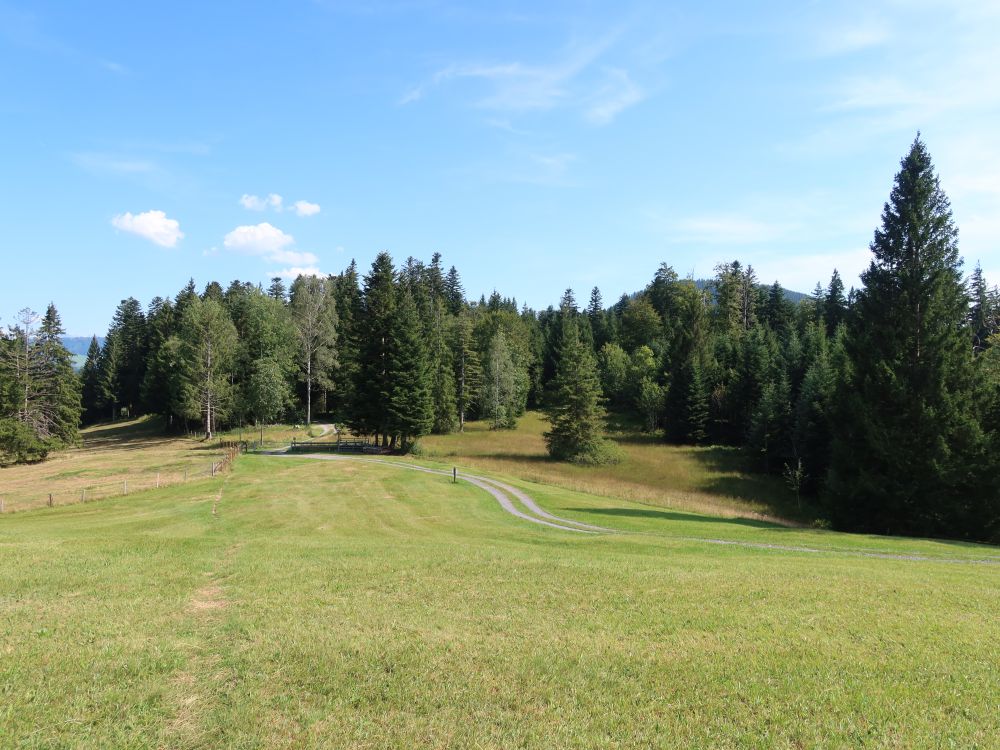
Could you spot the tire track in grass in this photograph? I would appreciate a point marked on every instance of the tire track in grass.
(497, 490)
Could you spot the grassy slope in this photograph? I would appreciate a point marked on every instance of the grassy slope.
(351, 605)
(705, 480)
(136, 450)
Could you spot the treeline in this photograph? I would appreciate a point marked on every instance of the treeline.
(881, 404)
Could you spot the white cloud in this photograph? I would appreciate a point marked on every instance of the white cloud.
(292, 256)
(268, 242)
(305, 208)
(153, 225)
(296, 271)
(258, 239)
(256, 203)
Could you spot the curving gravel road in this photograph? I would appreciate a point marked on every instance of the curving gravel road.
(503, 493)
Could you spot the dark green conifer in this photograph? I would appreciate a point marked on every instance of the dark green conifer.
(910, 456)
(574, 404)
(409, 407)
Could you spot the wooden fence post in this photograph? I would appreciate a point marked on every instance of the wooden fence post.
(125, 487)
(454, 474)
(83, 494)
(1, 505)
(50, 499)
(157, 480)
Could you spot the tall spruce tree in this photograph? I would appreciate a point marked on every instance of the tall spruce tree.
(410, 405)
(277, 290)
(369, 414)
(454, 293)
(468, 367)
(910, 456)
(90, 383)
(349, 334)
(687, 404)
(834, 303)
(984, 317)
(574, 403)
(160, 326)
(598, 319)
(130, 345)
(60, 384)
(441, 366)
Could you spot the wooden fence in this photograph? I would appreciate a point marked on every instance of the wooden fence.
(130, 484)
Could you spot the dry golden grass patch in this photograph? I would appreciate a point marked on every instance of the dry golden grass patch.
(133, 455)
(710, 480)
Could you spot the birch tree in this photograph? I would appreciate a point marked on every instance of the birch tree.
(314, 313)
(208, 348)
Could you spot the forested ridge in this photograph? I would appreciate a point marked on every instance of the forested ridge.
(882, 404)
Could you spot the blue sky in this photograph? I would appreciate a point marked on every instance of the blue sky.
(537, 146)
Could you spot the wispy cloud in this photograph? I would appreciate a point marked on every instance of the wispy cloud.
(276, 203)
(256, 203)
(851, 37)
(28, 31)
(568, 81)
(114, 163)
(616, 94)
(114, 67)
(152, 225)
(522, 167)
(725, 229)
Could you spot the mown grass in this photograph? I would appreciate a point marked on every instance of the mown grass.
(278, 433)
(356, 605)
(711, 480)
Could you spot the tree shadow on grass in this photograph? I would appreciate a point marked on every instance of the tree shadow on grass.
(669, 515)
(133, 436)
(731, 474)
(533, 458)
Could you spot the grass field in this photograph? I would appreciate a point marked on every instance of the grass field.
(358, 605)
(705, 480)
(134, 451)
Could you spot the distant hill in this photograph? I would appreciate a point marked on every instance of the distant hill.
(793, 297)
(79, 344)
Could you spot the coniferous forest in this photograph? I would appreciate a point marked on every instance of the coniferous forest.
(881, 403)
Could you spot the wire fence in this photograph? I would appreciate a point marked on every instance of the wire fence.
(128, 484)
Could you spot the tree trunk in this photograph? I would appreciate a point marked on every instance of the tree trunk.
(208, 395)
(309, 392)
(461, 391)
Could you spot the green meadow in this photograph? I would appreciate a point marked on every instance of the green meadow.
(298, 603)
